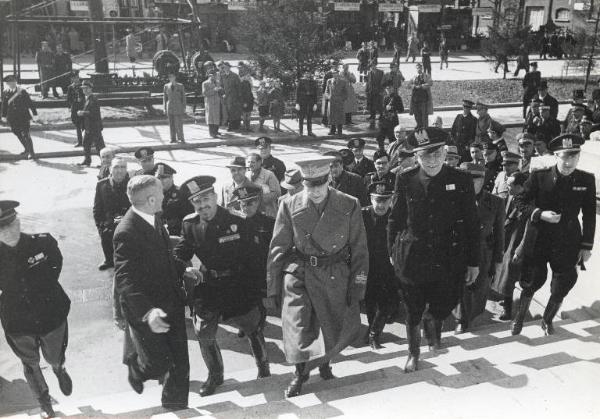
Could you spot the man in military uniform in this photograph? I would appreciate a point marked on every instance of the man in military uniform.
(361, 165)
(496, 135)
(490, 209)
(306, 102)
(558, 195)
(145, 158)
(381, 291)
(493, 165)
(263, 145)
(533, 117)
(16, 104)
(110, 205)
(526, 150)
(318, 265)
(45, 63)
(572, 124)
(452, 156)
(433, 238)
(510, 164)
(531, 83)
(484, 120)
(382, 171)
(175, 205)
(579, 99)
(549, 126)
(374, 92)
(33, 305)
(225, 283)
(344, 181)
(92, 124)
(75, 102)
(463, 130)
(388, 120)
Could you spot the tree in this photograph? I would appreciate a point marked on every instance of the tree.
(507, 34)
(285, 39)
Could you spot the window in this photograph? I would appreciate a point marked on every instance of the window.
(562, 15)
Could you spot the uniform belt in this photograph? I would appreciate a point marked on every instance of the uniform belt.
(217, 275)
(323, 261)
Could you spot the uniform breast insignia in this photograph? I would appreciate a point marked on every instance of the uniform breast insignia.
(233, 227)
(580, 188)
(34, 260)
(230, 238)
(451, 187)
(256, 240)
(361, 279)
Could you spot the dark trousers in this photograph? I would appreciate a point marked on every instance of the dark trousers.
(234, 124)
(335, 128)
(421, 114)
(562, 259)
(385, 132)
(374, 104)
(380, 300)
(152, 356)
(176, 127)
(27, 347)
(22, 133)
(439, 298)
(325, 119)
(78, 128)
(499, 63)
(106, 236)
(519, 68)
(213, 130)
(305, 112)
(92, 139)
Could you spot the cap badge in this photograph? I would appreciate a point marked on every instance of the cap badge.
(422, 137)
(193, 187)
(233, 227)
(380, 189)
(567, 143)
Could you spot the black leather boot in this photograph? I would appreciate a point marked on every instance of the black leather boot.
(551, 309)
(376, 330)
(212, 358)
(325, 371)
(46, 406)
(300, 377)
(259, 350)
(64, 380)
(517, 324)
(506, 309)
(430, 326)
(413, 334)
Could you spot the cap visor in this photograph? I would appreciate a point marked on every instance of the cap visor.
(427, 147)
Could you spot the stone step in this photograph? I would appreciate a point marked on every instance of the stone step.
(487, 358)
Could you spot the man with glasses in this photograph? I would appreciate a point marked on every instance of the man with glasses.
(558, 195)
(382, 171)
(433, 238)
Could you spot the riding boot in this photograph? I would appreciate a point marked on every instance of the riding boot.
(300, 377)
(506, 309)
(551, 309)
(259, 350)
(213, 361)
(376, 330)
(413, 334)
(517, 324)
(325, 371)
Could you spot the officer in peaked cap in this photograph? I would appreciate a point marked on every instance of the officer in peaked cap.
(496, 133)
(381, 292)
(145, 157)
(263, 145)
(382, 171)
(361, 165)
(175, 204)
(318, 263)
(452, 156)
(433, 238)
(347, 158)
(16, 104)
(491, 214)
(226, 283)
(464, 129)
(559, 194)
(261, 230)
(526, 149)
(510, 164)
(345, 181)
(34, 307)
(547, 99)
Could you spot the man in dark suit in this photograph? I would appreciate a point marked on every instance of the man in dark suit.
(16, 104)
(344, 181)
(75, 102)
(546, 99)
(463, 130)
(382, 171)
(306, 102)
(557, 195)
(263, 146)
(361, 165)
(151, 296)
(531, 82)
(392, 106)
(374, 92)
(110, 205)
(92, 124)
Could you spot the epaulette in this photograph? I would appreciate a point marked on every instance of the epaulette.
(40, 235)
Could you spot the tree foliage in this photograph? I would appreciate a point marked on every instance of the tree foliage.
(284, 39)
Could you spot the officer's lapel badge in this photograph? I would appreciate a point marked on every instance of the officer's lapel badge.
(422, 137)
(233, 227)
(380, 189)
(567, 143)
(34, 260)
(361, 279)
(451, 187)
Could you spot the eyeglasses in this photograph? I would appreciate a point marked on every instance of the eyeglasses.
(434, 155)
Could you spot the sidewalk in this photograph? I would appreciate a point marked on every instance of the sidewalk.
(155, 133)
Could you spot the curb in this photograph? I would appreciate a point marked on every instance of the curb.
(238, 142)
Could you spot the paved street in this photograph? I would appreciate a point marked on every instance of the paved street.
(56, 196)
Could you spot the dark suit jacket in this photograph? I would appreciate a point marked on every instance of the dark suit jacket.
(352, 184)
(110, 201)
(92, 120)
(15, 107)
(145, 272)
(553, 103)
(365, 166)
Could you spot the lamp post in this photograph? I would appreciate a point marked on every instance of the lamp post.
(593, 49)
